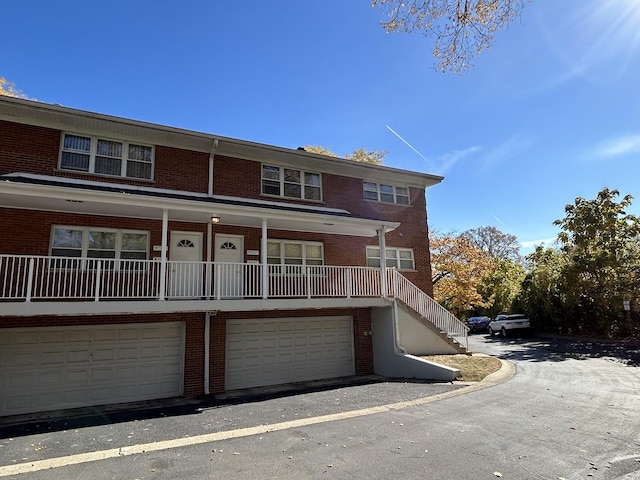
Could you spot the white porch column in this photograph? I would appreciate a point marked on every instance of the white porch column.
(383, 259)
(163, 256)
(263, 261)
(208, 271)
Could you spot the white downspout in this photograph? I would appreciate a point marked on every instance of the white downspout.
(263, 261)
(163, 255)
(207, 346)
(211, 157)
(396, 328)
(383, 260)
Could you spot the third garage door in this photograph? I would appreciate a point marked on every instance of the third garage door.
(270, 351)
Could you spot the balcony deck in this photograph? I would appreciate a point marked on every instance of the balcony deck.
(38, 285)
(48, 285)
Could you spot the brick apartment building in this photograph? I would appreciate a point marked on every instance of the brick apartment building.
(141, 261)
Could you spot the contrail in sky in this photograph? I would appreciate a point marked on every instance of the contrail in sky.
(406, 143)
(501, 222)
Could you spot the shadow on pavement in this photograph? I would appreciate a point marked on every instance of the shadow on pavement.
(541, 348)
(47, 422)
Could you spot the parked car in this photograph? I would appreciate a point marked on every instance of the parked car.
(478, 324)
(505, 324)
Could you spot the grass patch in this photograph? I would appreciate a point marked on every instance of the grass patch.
(473, 368)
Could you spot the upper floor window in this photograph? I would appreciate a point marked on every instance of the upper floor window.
(291, 252)
(106, 157)
(386, 193)
(401, 258)
(291, 183)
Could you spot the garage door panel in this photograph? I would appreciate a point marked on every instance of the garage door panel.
(63, 367)
(268, 352)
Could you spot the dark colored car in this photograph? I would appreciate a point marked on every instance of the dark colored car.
(478, 324)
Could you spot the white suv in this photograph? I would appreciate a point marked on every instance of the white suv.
(504, 324)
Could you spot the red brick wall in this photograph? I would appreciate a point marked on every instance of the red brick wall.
(30, 149)
(25, 148)
(177, 169)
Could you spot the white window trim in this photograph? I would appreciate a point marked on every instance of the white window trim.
(397, 251)
(85, 243)
(282, 183)
(303, 244)
(93, 153)
(379, 194)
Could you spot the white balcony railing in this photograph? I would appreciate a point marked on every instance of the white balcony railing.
(30, 278)
(43, 278)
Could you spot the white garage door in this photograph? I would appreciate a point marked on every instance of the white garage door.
(63, 367)
(273, 351)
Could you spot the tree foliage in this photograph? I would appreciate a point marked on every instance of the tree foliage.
(601, 242)
(576, 287)
(579, 287)
(498, 245)
(373, 157)
(461, 29)
(500, 286)
(542, 291)
(8, 89)
(459, 269)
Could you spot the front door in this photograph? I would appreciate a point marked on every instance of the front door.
(229, 258)
(186, 268)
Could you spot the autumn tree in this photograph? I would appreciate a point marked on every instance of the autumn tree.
(461, 29)
(459, 269)
(8, 89)
(373, 157)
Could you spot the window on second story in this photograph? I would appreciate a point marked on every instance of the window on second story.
(106, 157)
(291, 183)
(401, 258)
(386, 193)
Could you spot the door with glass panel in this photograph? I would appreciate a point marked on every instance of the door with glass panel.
(186, 270)
(229, 266)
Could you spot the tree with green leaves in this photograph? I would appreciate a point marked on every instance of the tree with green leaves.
(501, 286)
(461, 29)
(542, 293)
(373, 157)
(601, 241)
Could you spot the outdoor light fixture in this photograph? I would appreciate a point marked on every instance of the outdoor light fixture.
(215, 219)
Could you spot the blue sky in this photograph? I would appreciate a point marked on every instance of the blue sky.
(550, 113)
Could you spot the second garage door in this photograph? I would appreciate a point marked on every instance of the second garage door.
(263, 351)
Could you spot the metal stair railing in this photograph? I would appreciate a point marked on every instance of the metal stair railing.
(402, 289)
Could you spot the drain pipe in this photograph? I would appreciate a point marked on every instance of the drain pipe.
(396, 329)
(207, 345)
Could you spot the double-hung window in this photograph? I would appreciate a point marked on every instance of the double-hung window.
(99, 243)
(380, 192)
(106, 157)
(291, 183)
(291, 252)
(401, 258)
